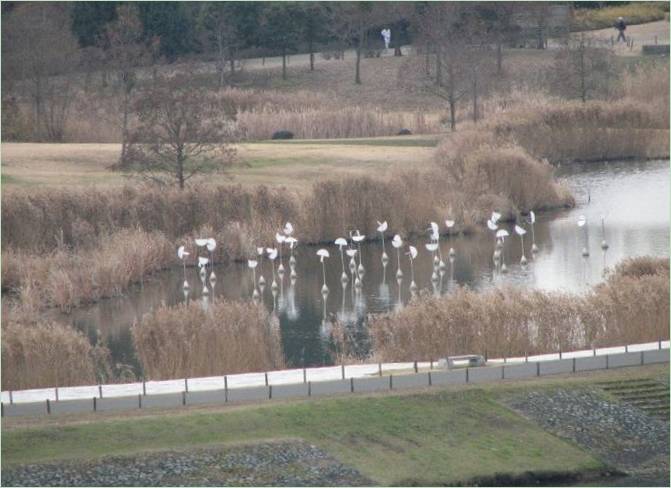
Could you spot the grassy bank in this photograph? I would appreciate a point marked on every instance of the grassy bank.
(630, 306)
(431, 438)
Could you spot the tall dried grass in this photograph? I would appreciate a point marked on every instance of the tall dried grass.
(39, 355)
(631, 306)
(491, 172)
(188, 341)
(67, 279)
(323, 123)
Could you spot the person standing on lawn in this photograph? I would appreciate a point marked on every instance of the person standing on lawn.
(621, 27)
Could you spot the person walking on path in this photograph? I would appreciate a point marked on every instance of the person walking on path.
(621, 27)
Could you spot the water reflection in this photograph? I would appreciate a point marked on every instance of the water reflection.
(633, 197)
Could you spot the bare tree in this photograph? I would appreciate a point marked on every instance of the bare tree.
(352, 20)
(124, 51)
(182, 132)
(40, 51)
(582, 71)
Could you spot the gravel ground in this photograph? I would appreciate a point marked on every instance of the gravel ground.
(290, 463)
(622, 436)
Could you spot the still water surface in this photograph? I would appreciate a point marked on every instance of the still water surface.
(633, 197)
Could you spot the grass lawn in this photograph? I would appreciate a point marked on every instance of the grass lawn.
(280, 163)
(429, 437)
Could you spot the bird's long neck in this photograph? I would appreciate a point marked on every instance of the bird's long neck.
(324, 271)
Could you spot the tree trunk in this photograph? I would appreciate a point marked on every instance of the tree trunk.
(427, 58)
(583, 87)
(357, 74)
(231, 59)
(124, 129)
(499, 57)
(284, 63)
(453, 114)
(439, 67)
(222, 59)
(312, 56)
(180, 168)
(475, 98)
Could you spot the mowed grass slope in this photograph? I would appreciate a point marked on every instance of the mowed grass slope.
(426, 438)
(289, 163)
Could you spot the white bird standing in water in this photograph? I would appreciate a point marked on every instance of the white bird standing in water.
(292, 241)
(532, 221)
(352, 268)
(502, 234)
(497, 250)
(433, 246)
(181, 253)
(252, 265)
(323, 253)
(262, 281)
(342, 242)
(272, 255)
(450, 223)
(604, 244)
(520, 232)
(211, 246)
(381, 228)
(288, 231)
(397, 242)
(435, 237)
(202, 264)
(358, 238)
(280, 240)
(582, 220)
(412, 254)
(202, 243)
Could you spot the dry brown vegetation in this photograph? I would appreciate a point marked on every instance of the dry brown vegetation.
(37, 355)
(67, 279)
(187, 340)
(631, 306)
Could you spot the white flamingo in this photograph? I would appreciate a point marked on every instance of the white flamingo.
(381, 228)
(397, 242)
(501, 235)
(342, 242)
(497, 250)
(292, 241)
(520, 232)
(272, 255)
(288, 231)
(260, 251)
(211, 246)
(352, 268)
(181, 254)
(202, 264)
(450, 223)
(412, 254)
(433, 246)
(252, 265)
(582, 220)
(604, 244)
(435, 237)
(532, 221)
(280, 238)
(323, 253)
(358, 238)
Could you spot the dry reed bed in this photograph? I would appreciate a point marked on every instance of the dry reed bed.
(79, 246)
(66, 279)
(594, 131)
(631, 306)
(45, 354)
(187, 340)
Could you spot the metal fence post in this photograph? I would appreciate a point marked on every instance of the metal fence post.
(538, 368)
(305, 376)
(266, 376)
(11, 395)
(430, 380)
(144, 387)
(342, 371)
(186, 385)
(466, 375)
(431, 365)
(139, 400)
(270, 392)
(351, 385)
(574, 365)
(379, 368)
(606, 361)
(2, 409)
(391, 384)
(48, 407)
(626, 348)
(415, 366)
(56, 391)
(642, 358)
(659, 346)
(309, 388)
(100, 390)
(95, 406)
(184, 398)
(225, 388)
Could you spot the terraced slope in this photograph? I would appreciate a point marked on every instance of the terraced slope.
(649, 395)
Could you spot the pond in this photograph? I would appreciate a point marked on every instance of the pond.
(633, 197)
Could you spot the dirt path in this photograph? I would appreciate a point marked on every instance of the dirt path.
(641, 34)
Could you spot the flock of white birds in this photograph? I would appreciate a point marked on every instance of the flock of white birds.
(352, 248)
